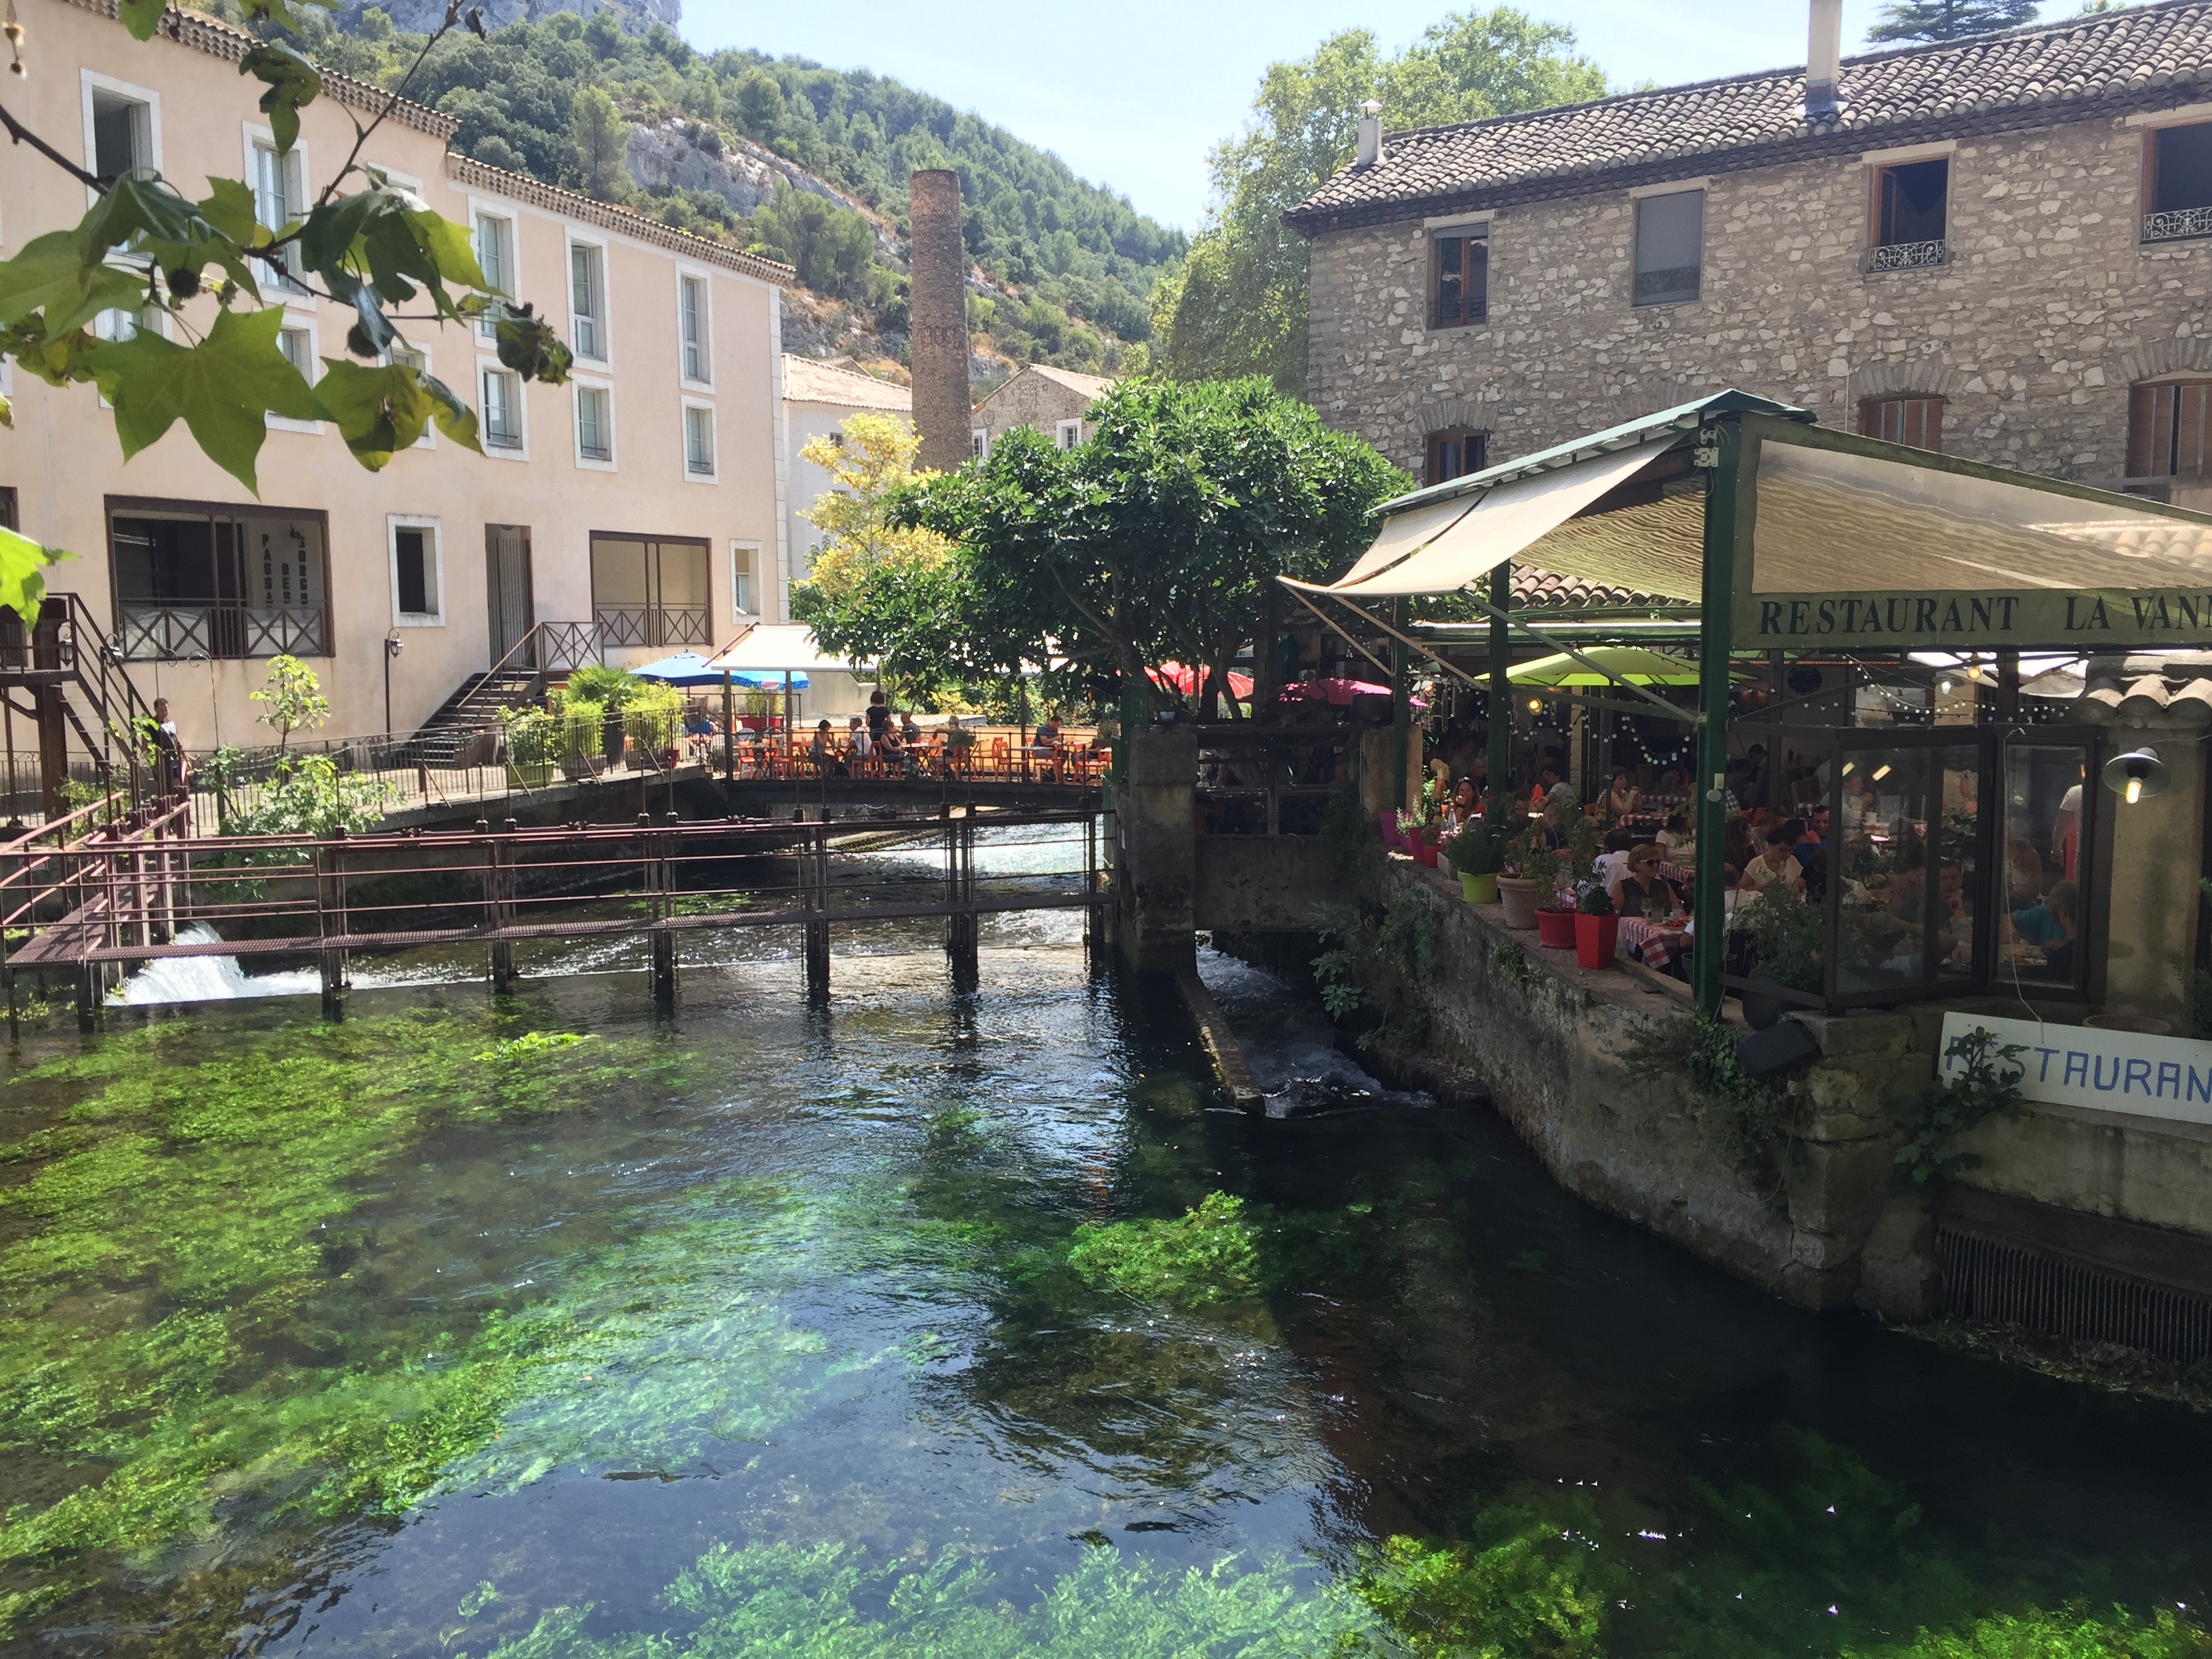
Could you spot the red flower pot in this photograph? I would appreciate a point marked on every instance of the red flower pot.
(1429, 854)
(1596, 939)
(1555, 929)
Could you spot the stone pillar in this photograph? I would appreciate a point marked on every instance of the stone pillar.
(938, 319)
(2151, 859)
(1156, 882)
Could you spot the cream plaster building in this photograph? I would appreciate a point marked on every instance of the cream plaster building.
(2001, 248)
(646, 498)
(818, 396)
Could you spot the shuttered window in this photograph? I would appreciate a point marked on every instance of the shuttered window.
(1455, 454)
(1915, 420)
(2168, 435)
(1461, 291)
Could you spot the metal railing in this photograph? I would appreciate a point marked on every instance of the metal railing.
(1909, 256)
(1269, 781)
(2177, 224)
(194, 632)
(653, 625)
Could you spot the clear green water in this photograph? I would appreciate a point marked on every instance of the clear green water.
(772, 1331)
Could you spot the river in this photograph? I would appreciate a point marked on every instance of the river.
(545, 1328)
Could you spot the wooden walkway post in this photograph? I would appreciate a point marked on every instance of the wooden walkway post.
(815, 868)
(499, 892)
(330, 922)
(961, 927)
(663, 908)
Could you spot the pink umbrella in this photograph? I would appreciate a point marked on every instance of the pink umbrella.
(1187, 681)
(1339, 694)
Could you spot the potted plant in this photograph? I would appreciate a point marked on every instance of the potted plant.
(1528, 873)
(652, 716)
(1786, 936)
(610, 688)
(531, 737)
(582, 723)
(1555, 905)
(1478, 853)
(1410, 825)
(1597, 925)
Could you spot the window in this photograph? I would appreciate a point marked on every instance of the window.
(496, 258)
(1068, 434)
(502, 410)
(647, 592)
(122, 134)
(698, 441)
(1456, 453)
(979, 442)
(2168, 435)
(744, 573)
(692, 328)
(298, 345)
(11, 513)
(2178, 183)
(595, 423)
(1915, 420)
(587, 301)
(1910, 204)
(418, 598)
(1670, 234)
(407, 356)
(1460, 289)
(193, 583)
(280, 196)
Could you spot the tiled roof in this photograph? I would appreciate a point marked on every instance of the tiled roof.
(219, 39)
(1539, 590)
(465, 170)
(2151, 697)
(2152, 57)
(1090, 386)
(808, 381)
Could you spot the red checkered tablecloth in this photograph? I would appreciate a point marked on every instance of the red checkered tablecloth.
(1653, 944)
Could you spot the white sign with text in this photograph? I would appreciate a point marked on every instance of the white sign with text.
(2112, 1071)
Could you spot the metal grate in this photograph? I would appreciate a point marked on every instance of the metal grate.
(1993, 1283)
(1909, 256)
(2177, 224)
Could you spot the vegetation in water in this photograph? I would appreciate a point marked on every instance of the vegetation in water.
(1204, 1256)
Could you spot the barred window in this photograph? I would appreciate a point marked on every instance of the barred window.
(1917, 421)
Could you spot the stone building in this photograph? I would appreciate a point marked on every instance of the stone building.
(1052, 401)
(818, 396)
(2000, 248)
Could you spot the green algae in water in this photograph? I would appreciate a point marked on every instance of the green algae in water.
(1205, 1255)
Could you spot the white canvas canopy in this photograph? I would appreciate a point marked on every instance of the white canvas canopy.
(776, 648)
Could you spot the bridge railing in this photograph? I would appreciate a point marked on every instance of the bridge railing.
(1270, 780)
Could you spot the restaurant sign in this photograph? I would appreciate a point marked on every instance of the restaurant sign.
(2111, 1071)
(2093, 619)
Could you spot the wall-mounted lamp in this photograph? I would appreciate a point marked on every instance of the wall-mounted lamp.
(2136, 776)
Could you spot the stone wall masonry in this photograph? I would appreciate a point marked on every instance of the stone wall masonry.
(1035, 401)
(2048, 309)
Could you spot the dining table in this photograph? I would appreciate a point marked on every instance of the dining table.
(1656, 944)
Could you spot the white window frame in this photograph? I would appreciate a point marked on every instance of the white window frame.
(979, 443)
(684, 442)
(258, 139)
(599, 383)
(479, 209)
(90, 80)
(706, 282)
(429, 438)
(487, 364)
(304, 321)
(393, 524)
(753, 550)
(604, 359)
(1068, 434)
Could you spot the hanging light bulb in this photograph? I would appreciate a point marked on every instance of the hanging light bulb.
(2137, 775)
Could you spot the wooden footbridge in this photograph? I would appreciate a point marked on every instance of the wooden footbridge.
(88, 895)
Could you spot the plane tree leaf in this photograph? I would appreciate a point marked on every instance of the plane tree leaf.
(24, 565)
(223, 388)
(58, 360)
(528, 345)
(382, 410)
(48, 277)
(387, 237)
(292, 83)
(143, 17)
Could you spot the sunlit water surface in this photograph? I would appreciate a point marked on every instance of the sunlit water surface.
(817, 1370)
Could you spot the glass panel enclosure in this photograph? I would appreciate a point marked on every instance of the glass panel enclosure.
(1905, 906)
(2048, 795)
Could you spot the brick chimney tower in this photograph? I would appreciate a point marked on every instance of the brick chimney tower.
(938, 319)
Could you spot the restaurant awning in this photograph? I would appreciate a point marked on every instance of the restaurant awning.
(777, 649)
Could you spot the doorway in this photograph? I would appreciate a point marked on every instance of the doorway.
(506, 589)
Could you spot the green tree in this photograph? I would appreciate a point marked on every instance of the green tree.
(1158, 538)
(363, 244)
(1236, 305)
(602, 141)
(294, 699)
(1953, 20)
(759, 104)
(831, 247)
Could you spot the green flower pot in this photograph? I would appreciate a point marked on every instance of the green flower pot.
(1478, 890)
(529, 775)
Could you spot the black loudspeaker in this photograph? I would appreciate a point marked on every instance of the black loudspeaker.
(1775, 1050)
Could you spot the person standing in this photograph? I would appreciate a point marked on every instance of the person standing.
(879, 716)
(169, 766)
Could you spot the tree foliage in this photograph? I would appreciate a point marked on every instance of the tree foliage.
(832, 248)
(146, 250)
(871, 458)
(602, 141)
(1156, 540)
(1951, 20)
(1237, 304)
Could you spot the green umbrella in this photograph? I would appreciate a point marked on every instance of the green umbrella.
(1630, 663)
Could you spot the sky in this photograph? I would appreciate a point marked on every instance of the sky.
(1133, 95)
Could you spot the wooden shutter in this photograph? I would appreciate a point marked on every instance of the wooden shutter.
(1461, 284)
(2191, 440)
(1915, 420)
(2170, 430)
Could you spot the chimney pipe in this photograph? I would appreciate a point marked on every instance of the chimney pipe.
(1823, 60)
(936, 310)
(1371, 134)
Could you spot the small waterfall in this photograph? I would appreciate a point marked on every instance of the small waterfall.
(204, 979)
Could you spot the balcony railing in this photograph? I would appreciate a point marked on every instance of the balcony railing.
(1909, 256)
(197, 632)
(2177, 224)
(654, 625)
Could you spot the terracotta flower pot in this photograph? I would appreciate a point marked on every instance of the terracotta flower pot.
(1596, 939)
(1478, 890)
(1555, 929)
(1518, 895)
(1428, 854)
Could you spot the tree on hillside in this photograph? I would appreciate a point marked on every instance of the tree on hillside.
(832, 248)
(1238, 304)
(602, 141)
(1158, 539)
(1951, 19)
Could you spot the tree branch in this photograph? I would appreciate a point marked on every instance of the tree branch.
(22, 135)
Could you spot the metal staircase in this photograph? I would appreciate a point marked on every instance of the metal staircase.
(65, 675)
(540, 659)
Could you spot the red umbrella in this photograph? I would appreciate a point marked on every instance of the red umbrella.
(1339, 694)
(1187, 681)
